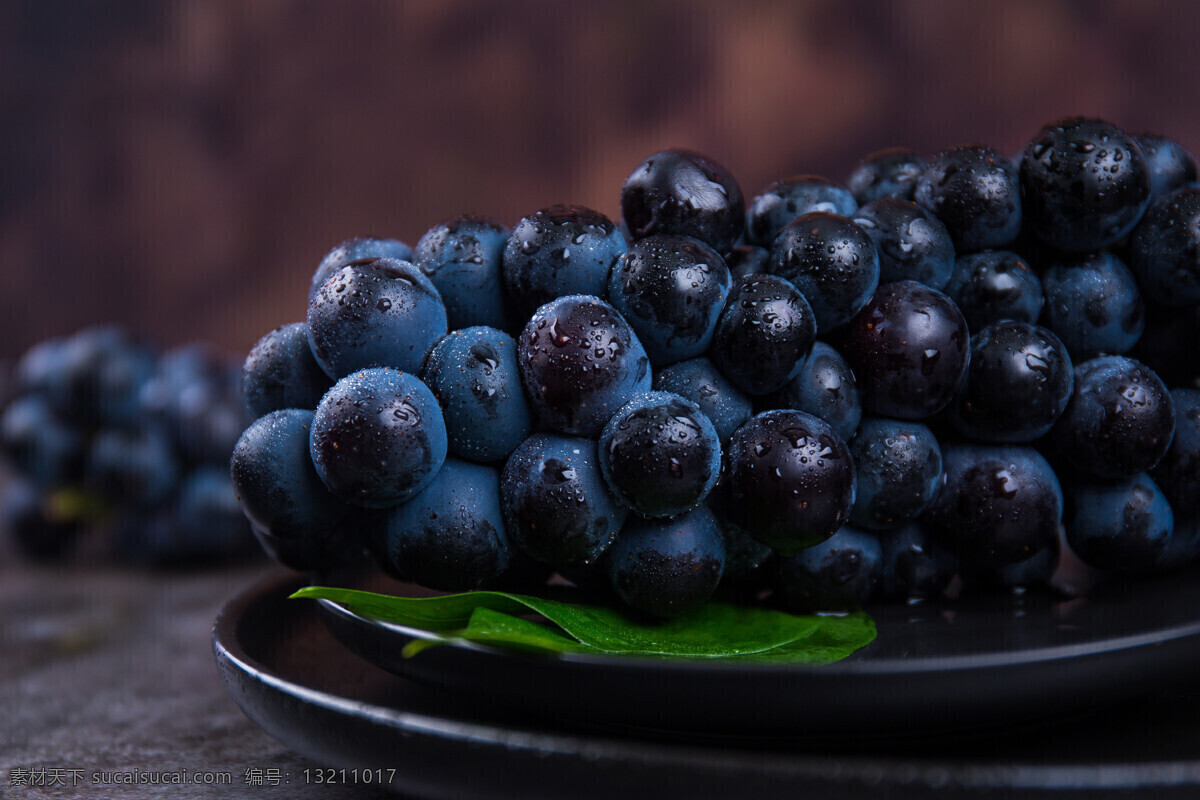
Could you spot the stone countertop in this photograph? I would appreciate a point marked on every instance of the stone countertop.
(109, 670)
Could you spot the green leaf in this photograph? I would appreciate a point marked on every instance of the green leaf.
(716, 630)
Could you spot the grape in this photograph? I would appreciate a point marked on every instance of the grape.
(681, 192)
(909, 348)
(659, 454)
(899, 471)
(1165, 250)
(975, 192)
(356, 249)
(462, 258)
(789, 480)
(665, 568)
(474, 375)
(1017, 385)
(1085, 184)
(1119, 525)
(378, 438)
(700, 381)
(913, 566)
(1000, 504)
(1093, 305)
(1170, 166)
(294, 516)
(764, 334)
(1119, 421)
(555, 502)
(893, 172)
(41, 445)
(374, 313)
(839, 574)
(912, 243)
(747, 259)
(671, 290)
(825, 388)
(783, 201)
(558, 251)
(451, 536)
(832, 261)
(995, 285)
(580, 361)
(280, 372)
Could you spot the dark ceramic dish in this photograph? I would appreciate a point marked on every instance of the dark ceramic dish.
(288, 674)
(932, 670)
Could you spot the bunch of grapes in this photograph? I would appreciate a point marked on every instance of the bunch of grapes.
(947, 372)
(130, 446)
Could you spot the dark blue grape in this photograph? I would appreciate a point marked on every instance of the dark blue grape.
(1017, 385)
(35, 531)
(1094, 305)
(101, 375)
(678, 191)
(559, 251)
(1165, 250)
(212, 526)
(659, 454)
(1121, 525)
(356, 249)
(462, 258)
(832, 261)
(556, 505)
(995, 285)
(134, 465)
(909, 348)
(912, 243)
(40, 370)
(838, 574)
(195, 393)
(999, 504)
(899, 469)
(580, 361)
(913, 567)
(294, 516)
(665, 568)
(1178, 473)
(474, 375)
(764, 334)
(1085, 184)
(378, 438)
(783, 201)
(379, 313)
(280, 372)
(40, 444)
(451, 536)
(1170, 166)
(892, 172)
(700, 381)
(825, 388)
(747, 259)
(975, 192)
(788, 480)
(1119, 421)
(671, 290)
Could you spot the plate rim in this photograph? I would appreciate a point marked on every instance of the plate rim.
(596, 749)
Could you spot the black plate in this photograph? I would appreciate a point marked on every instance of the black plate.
(290, 677)
(971, 664)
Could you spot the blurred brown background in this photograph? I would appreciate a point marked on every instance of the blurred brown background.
(182, 167)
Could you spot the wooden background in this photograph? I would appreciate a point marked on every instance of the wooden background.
(182, 166)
